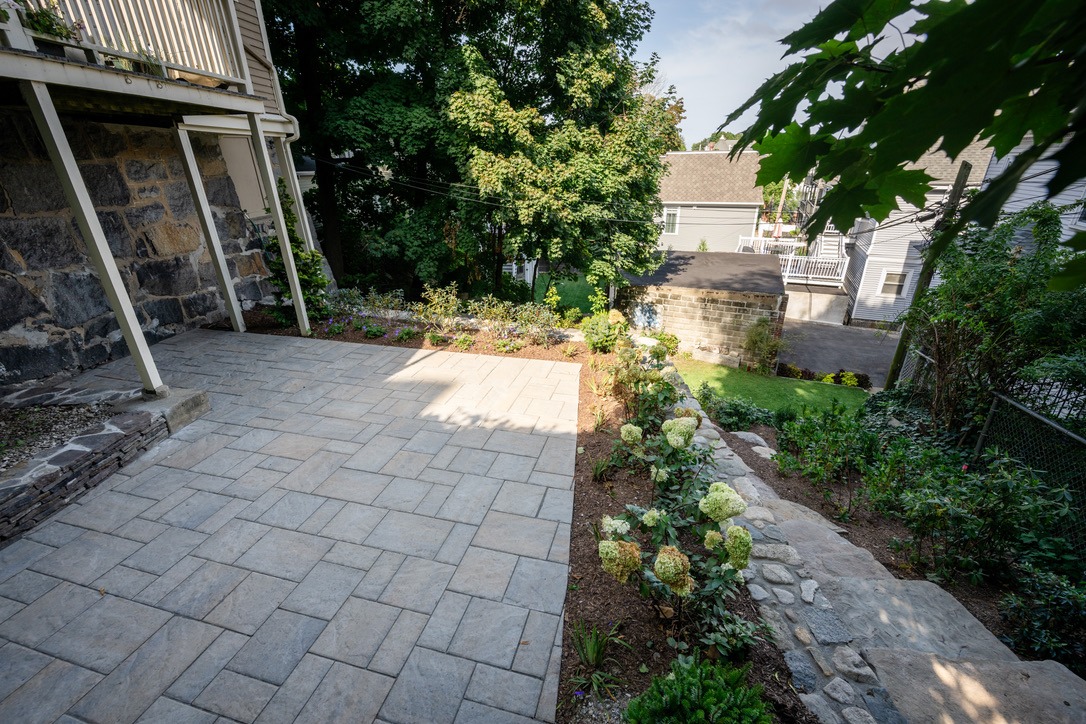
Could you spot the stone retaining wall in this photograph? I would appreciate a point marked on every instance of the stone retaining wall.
(31, 493)
(716, 321)
(54, 315)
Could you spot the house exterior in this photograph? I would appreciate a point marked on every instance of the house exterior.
(139, 163)
(709, 197)
(884, 259)
(1034, 187)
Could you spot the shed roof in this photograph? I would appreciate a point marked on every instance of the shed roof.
(711, 177)
(716, 271)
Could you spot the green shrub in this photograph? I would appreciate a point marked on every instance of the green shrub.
(384, 305)
(436, 339)
(668, 340)
(492, 314)
(464, 342)
(700, 692)
(731, 413)
(599, 334)
(345, 302)
(537, 322)
(762, 344)
(508, 346)
(407, 334)
(572, 317)
(437, 311)
(1046, 618)
(309, 265)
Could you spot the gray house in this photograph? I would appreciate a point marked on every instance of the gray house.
(709, 197)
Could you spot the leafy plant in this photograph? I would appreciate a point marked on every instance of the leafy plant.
(508, 346)
(537, 322)
(407, 334)
(731, 413)
(335, 327)
(599, 334)
(668, 340)
(345, 302)
(492, 314)
(570, 350)
(572, 317)
(1046, 618)
(436, 339)
(309, 265)
(464, 342)
(374, 331)
(438, 308)
(762, 343)
(48, 21)
(700, 691)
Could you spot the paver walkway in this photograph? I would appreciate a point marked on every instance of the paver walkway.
(353, 533)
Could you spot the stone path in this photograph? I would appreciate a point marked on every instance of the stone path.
(353, 533)
(865, 647)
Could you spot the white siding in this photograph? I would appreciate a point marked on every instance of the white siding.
(257, 55)
(870, 305)
(719, 226)
(1034, 188)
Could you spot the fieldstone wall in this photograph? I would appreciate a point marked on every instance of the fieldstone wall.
(54, 315)
(709, 320)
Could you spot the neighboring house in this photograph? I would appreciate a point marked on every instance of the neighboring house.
(1034, 187)
(884, 259)
(137, 165)
(711, 198)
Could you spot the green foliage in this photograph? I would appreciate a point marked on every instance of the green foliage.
(731, 413)
(438, 308)
(993, 315)
(407, 334)
(551, 298)
(645, 393)
(599, 334)
(869, 111)
(436, 339)
(47, 21)
(508, 346)
(536, 322)
(309, 264)
(762, 343)
(464, 342)
(345, 302)
(1046, 618)
(703, 245)
(384, 305)
(667, 339)
(772, 393)
(700, 691)
(703, 144)
(492, 314)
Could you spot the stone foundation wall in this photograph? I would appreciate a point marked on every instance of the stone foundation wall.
(54, 315)
(714, 321)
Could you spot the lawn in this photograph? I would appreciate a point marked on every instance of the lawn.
(574, 292)
(772, 393)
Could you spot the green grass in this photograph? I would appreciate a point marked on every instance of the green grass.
(772, 393)
(574, 292)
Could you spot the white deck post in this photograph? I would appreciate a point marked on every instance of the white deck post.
(267, 175)
(75, 189)
(211, 235)
(290, 175)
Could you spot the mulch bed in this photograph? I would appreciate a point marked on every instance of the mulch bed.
(869, 529)
(594, 597)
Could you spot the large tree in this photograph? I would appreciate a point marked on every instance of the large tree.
(883, 81)
(376, 110)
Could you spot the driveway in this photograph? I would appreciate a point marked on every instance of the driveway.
(831, 347)
(353, 533)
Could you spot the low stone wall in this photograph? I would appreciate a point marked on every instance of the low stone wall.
(714, 321)
(54, 315)
(31, 493)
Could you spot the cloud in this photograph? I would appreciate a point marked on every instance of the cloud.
(717, 54)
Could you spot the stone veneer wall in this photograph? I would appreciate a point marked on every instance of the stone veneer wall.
(54, 315)
(716, 321)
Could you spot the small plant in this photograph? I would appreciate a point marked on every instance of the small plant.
(464, 342)
(670, 341)
(335, 327)
(1046, 618)
(346, 302)
(703, 245)
(48, 21)
(599, 418)
(309, 265)
(537, 322)
(407, 334)
(699, 691)
(552, 298)
(591, 644)
(385, 306)
(599, 334)
(570, 350)
(437, 311)
(762, 345)
(374, 331)
(436, 339)
(508, 346)
(572, 317)
(492, 314)
(731, 413)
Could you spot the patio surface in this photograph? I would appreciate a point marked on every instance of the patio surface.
(353, 533)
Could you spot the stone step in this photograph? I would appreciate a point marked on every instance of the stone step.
(915, 615)
(826, 553)
(926, 687)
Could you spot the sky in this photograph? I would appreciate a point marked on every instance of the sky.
(716, 54)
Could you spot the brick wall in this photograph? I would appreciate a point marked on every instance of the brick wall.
(715, 321)
(54, 315)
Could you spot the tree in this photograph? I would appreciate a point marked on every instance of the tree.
(703, 144)
(993, 69)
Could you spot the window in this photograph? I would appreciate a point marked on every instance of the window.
(671, 221)
(893, 284)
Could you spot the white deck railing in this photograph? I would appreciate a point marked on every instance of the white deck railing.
(818, 270)
(766, 245)
(183, 36)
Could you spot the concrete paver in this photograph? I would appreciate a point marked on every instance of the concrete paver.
(353, 533)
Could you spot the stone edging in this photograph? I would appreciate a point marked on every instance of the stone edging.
(833, 679)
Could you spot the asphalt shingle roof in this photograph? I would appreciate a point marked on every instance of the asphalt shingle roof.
(710, 177)
(939, 165)
(716, 270)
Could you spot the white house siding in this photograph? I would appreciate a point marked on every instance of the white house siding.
(719, 226)
(1034, 188)
(870, 305)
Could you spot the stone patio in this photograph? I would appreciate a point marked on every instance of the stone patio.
(353, 533)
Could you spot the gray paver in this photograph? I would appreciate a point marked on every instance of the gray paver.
(402, 494)
(124, 582)
(135, 684)
(229, 542)
(429, 688)
(346, 695)
(472, 712)
(324, 590)
(277, 647)
(27, 586)
(20, 666)
(295, 691)
(285, 554)
(202, 591)
(163, 553)
(105, 513)
(195, 509)
(512, 467)
(168, 711)
(86, 558)
(48, 694)
(516, 534)
(506, 690)
(539, 585)
(519, 499)
(253, 483)
(476, 462)
(52, 533)
(235, 696)
(250, 603)
(314, 471)
(470, 499)
(81, 642)
(358, 486)
(20, 554)
(456, 545)
(399, 643)
(48, 614)
(417, 585)
(140, 530)
(355, 633)
(204, 670)
(444, 621)
(484, 573)
(414, 535)
(292, 510)
(355, 556)
(353, 523)
(489, 632)
(534, 650)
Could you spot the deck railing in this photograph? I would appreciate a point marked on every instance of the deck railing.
(767, 245)
(180, 37)
(817, 270)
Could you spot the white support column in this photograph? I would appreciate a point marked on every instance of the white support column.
(290, 175)
(75, 189)
(211, 235)
(267, 175)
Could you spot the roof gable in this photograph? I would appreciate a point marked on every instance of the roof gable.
(711, 177)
